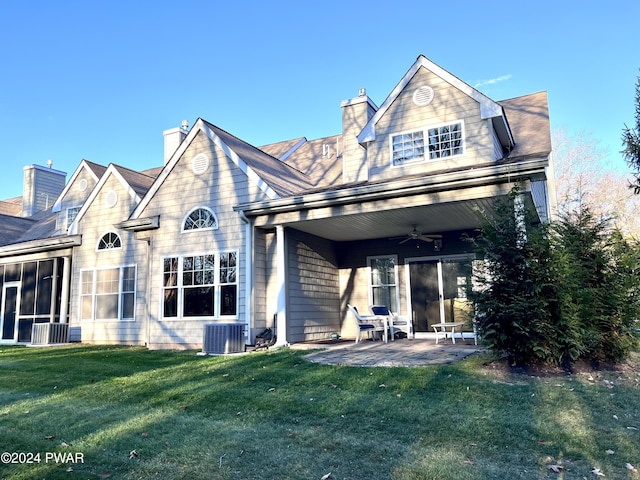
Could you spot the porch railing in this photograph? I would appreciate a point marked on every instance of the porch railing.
(49, 333)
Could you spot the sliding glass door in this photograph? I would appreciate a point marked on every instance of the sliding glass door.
(438, 291)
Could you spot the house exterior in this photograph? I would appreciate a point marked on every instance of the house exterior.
(284, 235)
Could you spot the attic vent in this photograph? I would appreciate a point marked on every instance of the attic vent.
(200, 164)
(423, 96)
(83, 184)
(111, 199)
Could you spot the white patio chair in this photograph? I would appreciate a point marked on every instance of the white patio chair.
(366, 323)
(393, 320)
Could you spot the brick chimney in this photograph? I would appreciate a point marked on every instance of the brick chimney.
(173, 138)
(356, 113)
(41, 188)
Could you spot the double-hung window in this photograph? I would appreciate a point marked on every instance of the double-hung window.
(108, 293)
(200, 285)
(383, 281)
(429, 144)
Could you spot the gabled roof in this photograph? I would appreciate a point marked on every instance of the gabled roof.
(282, 150)
(528, 117)
(11, 206)
(94, 169)
(318, 161)
(488, 108)
(271, 175)
(136, 190)
(139, 181)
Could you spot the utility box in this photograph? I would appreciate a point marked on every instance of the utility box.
(221, 338)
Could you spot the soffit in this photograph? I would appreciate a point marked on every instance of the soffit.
(429, 219)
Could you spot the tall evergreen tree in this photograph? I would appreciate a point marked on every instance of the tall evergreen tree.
(631, 143)
(515, 290)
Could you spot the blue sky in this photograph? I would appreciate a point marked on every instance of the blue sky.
(101, 80)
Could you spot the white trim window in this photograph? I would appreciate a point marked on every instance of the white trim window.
(108, 293)
(433, 143)
(200, 218)
(383, 281)
(109, 241)
(196, 286)
(72, 213)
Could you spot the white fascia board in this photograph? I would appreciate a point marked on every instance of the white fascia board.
(488, 108)
(167, 169)
(36, 246)
(241, 164)
(111, 170)
(287, 154)
(361, 193)
(57, 206)
(198, 126)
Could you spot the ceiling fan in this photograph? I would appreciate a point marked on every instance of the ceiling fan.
(415, 234)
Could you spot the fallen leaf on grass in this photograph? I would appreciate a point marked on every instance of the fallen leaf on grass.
(382, 385)
(144, 435)
(49, 437)
(555, 468)
(325, 477)
(70, 469)
(631, 468)
(104, 475)
(610, 452)
(133, 454)
(598, 472)
(183, 407)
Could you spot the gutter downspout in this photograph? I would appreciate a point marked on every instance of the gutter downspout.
(248, 274)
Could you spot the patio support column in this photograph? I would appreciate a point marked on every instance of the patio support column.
(54, 292)
(281, 312)
(66, 282)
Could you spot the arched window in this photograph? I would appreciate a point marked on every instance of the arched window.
(200, 218)
(109, 240)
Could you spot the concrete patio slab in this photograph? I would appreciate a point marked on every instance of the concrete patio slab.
(400, 353)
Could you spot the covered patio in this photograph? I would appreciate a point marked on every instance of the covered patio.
(316, 254)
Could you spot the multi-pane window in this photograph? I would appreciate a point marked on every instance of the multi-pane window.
(200, 218)
(408, 147)
(383, 281)
(445, 141)
(433, 143)
(109, 240)
(108, 294)
(200, 285)
(72, 213)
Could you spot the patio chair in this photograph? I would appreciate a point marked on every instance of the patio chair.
(365, 323)
(394, 320)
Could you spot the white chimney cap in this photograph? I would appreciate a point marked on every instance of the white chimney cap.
(362, 92)
(49, 163)
(185, 124)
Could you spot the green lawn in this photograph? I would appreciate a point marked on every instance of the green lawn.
(129, 413)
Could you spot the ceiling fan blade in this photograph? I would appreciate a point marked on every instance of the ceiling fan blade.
(405, 240)
(426, 238)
